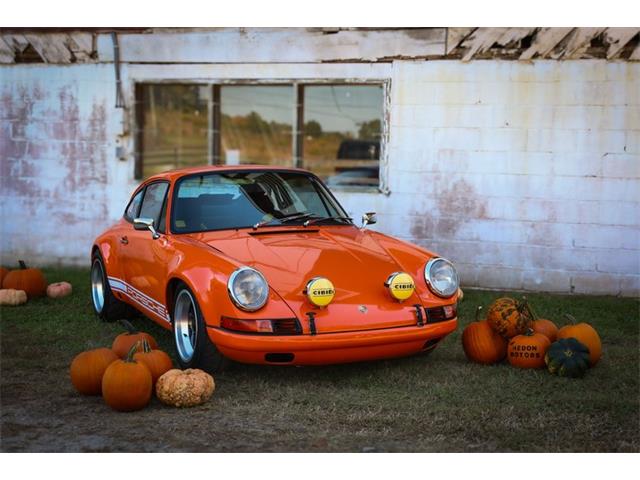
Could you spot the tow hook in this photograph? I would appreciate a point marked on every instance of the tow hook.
(419, 316)
(312, 322)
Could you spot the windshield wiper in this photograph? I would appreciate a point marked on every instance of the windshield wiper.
(295, 216)
(320, 219)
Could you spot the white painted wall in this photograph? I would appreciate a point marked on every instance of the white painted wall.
(527, 175)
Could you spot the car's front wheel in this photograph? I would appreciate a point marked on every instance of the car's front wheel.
(194, 349)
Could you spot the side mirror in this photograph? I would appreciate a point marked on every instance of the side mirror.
(368, 218)
(146, 224)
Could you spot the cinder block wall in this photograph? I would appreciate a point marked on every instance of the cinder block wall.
(60, 183)
(527, 175)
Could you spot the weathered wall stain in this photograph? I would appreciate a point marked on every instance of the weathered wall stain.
(54, 170)
(456, 203)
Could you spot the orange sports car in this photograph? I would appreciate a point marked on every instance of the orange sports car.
(262, 265)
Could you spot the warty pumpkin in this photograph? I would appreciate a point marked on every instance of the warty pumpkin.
(481, 343)
(157, 361)
(127, 384)
(185, 388)
(59, 290)
(11, 297)
(567, 358)
(123, 342)
(584, 333)
(87, 369)
(528, 350)
(31, 280)
(509, 317)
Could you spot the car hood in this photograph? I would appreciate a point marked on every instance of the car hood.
(357, 263)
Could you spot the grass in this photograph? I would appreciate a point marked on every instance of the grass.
(437, 403)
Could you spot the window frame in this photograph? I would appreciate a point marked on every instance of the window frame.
(214, 151)
(143, 189)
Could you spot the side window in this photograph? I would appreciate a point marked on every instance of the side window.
(153, 201)
(134, 206)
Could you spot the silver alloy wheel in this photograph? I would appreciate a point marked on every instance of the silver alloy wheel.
(186, 325)
(97, 285)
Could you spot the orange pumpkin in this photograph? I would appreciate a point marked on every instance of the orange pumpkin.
(585, 334)
(11, 297)
(528, 350)
(87, 369)
(509, 317)
(3, 273)
(481, 343)
(127, 384)
(546, 328)
(31, 280)
(59, 290)
(157, 361)
(123, 342)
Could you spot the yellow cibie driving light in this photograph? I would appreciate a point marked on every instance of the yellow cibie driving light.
(320, 291)
(400, 285)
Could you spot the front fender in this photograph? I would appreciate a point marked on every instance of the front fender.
(206, 272)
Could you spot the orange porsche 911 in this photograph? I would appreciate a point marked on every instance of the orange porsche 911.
(262, 265)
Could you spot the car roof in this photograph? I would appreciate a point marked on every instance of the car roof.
(172, 175)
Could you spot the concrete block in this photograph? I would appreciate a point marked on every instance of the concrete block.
(468, 138)
(601, 141)
(606, 236)
(630, 286)
(551, 140)
(618, 261)
(616, 165)
(503, 139)
(556, 281)
(594, 283)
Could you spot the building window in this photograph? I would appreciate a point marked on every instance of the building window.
(343, 133)
(256, 124)
(172, 127)
(334, 130)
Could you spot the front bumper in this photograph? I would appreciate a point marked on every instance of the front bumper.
(329, 348)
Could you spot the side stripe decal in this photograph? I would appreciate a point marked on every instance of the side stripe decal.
(140, 298)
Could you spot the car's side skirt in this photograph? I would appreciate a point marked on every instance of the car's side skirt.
(157, 309)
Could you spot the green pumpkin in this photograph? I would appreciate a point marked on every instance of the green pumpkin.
(567, 358)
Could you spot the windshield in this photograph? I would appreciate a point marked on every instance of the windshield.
(241, 199)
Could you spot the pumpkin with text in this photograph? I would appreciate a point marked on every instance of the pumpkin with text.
(528, 350)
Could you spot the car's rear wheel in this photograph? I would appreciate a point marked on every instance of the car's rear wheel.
(105, 305)
(194, 349)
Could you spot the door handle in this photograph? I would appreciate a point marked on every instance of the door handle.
(124, 240)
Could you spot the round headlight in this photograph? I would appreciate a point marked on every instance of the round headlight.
(248, 289)
(441, 277)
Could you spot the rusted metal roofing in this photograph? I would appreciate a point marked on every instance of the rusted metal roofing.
(65, 46)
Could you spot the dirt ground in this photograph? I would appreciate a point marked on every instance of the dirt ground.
(438, 403)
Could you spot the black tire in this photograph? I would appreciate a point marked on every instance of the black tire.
(205, 354)
(112, 308)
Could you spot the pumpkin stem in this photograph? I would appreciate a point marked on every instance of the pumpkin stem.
(127, 324)
(571, 318)
(478, 312)
(132, 351)
(146, 348)
(526, 305)
(23, 266)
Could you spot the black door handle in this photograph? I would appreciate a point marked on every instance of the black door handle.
(124, 240)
